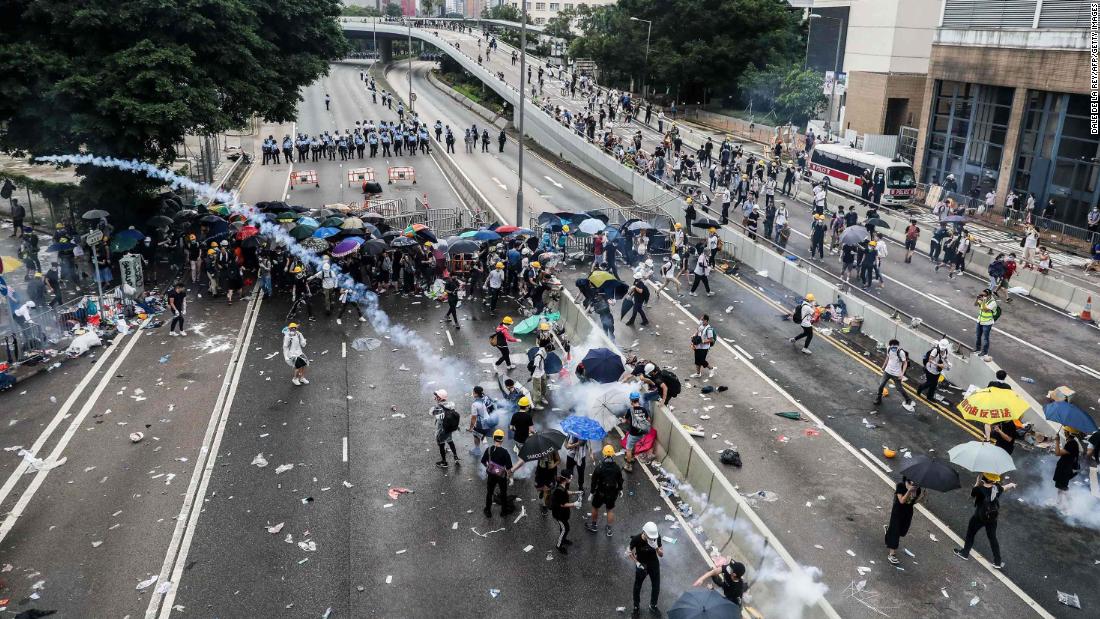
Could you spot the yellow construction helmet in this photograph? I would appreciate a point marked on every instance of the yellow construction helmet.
(292, 325)
(679, 225)
(536, 265)
(544, 326)
(507, 320)
(500, 265)
(524, 402)
(712, 230)
(210, 252)
(565, 228)
(498, 433)
(810, 296)
(297, 269)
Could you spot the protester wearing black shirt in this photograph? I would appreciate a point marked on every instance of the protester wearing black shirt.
(987, 493)
(177, 300)
(728, 578)
(560, 506)
(452, 300)
(906, 495)
(498, 466)
(645, 548)
(521, 423)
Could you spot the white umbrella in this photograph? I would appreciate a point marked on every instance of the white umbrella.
(591, 226)
(981, 457)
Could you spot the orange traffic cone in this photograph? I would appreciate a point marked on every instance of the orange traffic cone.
(1086, 314)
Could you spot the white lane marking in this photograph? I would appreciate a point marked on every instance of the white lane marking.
(61, 414)
(449, 338)
(942, 526)
(345, 452)
(63, 442)
(499, 184)
(554, 182)
(178, 547)
(343, 349)
(742, 351)
(880, 463)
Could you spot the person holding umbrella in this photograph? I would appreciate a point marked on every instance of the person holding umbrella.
(987, 492)
(906, 495)
(729, 577)
(646, 551)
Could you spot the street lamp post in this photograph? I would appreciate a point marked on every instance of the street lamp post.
(645, 75)
(522, 95)
(836, 63)
(412, 97)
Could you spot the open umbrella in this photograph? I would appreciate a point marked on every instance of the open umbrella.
(981, 457)
(345, 248)
(703, 604)
(931, 473)
(585, 428)
(352, 223)
(122, 243)
(301, 233)
(481, 235)
(371, 215)
(462, 246)
(137, 235)
(1069, 415)
(314, 244)
(332, 222)
(403, 241)
(286, 217)
(246, 232)
(324, 233)
(607, 407)
(599, 278)
(603, 365)
(854, 235)
(308, 221)
(210, 219)
(184, 214)
(62, 246)
(541, 444)
(95, 214)
(640, 225)
(322, 213)
(878, 223)
(591, 226)
(992, 405)
(597, 215)
(375, 247)
(506, 229)
(220, 209)
(706, 223)
(160, 221)
(550, 219)
(955, 219)
(527, 325)
(9, 264)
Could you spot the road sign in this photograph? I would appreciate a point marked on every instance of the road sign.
(93, 237)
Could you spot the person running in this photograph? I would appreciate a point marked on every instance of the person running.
(893, 369)
(702, 274)
(986, 493)
(936, 361)
(561, 508)
(498, 468)
(701, 344)
(294, 344)
(446, 422)
(729, 577)
(546, 475)
(606, 486)
(177, 303)
(804, 316)
(639, 294)
(500, 340)
(906, 495)
(494, 283)
(646, 550)
(912, 233)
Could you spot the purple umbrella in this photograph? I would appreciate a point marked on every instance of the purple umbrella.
(344, 248)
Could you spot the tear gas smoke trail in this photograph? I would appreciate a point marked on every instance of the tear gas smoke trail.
(445, 374)
(1079, 508)
(792, 591)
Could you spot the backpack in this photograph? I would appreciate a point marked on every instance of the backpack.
(989, 511)
(606, 478)
(671, 381)
(531, 362)
(997, 313)
(495, 339)
(639, 422)
(721, 244)
(798, 313)
(451, 419)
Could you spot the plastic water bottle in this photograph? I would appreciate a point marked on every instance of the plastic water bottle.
(1030, 381)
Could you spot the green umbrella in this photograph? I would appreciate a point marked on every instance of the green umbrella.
(332, 222)
(528, 325)
(287, 216)
(302, 232)
(123, 243)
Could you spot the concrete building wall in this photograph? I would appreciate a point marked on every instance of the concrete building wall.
(872, 95)
(1057, 70)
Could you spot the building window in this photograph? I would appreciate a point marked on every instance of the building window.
(554, 6)
(967, 134)
(539, 6)
(540, 20)
(568, 5)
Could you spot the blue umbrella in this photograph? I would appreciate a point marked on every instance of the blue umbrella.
(1069, 415)
(56, 247)
(308, 221)
(324, 233)
(585, 428)
(481, 235)
(603, 365)
(552, 364)
(130, 233)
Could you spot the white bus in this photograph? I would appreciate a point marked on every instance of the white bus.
(842, 167)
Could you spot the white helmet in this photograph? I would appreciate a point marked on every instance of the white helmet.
(440, 394)
(650, 530)
(649, 262)
(944, 344)
(650, 368)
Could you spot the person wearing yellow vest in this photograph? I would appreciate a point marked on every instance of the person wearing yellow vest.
(988, 313)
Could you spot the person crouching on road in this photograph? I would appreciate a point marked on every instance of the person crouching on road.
(294, 344)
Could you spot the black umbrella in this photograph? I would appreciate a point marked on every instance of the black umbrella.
(185, 214)
(160, 221)
(876, 222)
(210, 219)
(549, 219)
(931, 473)
(705, 223)
(597, 215)
(95, 214)
(703, 604)
(463, 246)
(628, 304)
(541, 444)
(403, 242)
(374, 247)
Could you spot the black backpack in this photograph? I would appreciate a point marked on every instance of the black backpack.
(671, 381)
(730, 457)
(797, 313)
(606, 478)
(451, 419)
(989, 511)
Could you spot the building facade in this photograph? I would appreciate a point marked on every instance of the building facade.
(1007, 103)
(883, 47)
(540, 12)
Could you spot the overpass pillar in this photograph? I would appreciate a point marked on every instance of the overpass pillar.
(385, 48)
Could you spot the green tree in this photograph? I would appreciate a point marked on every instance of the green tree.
(505, 12)
(791, 92)
(697, 46)
(131, 78)
(433, 7)
(355, 10)
(393, 9)
(560, 25)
